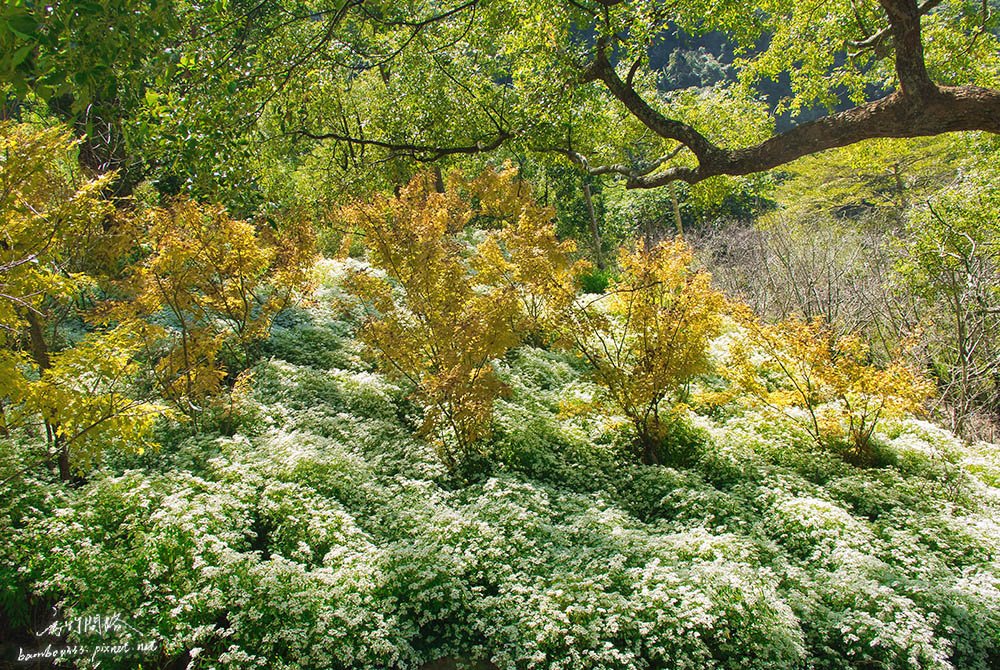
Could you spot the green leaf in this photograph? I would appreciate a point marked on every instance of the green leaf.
(20, 54)
(23, 26)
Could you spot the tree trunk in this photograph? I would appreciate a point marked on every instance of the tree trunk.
(650, 454)
(595, 232)
(36, 338)
(65, 473)
(438, 179)
(646, 433)
(677, 210)
(40, 353)
(102, 148)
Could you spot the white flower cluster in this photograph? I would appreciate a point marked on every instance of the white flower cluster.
(332, 538)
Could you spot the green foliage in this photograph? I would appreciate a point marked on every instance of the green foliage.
(596, 280)
(877, 176)
(952, 262)
(93, 51)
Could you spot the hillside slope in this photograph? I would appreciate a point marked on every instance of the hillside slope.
(324, 533)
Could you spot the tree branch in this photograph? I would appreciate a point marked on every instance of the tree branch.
(878, 38)
(950, 109)
(917, 108)
(627, 171)
(602, 70)
(420, 152)
(904, 23)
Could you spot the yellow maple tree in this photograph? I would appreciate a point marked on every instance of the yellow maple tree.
(806, 365)
(443, 301)
(649, 334)
(80, 396)
(219, 282)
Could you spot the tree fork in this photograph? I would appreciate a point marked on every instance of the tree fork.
(917, 108)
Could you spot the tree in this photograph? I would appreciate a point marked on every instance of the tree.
(440, 309)
(89, 63)
(83, 395)
(206, 293)
(805, 365)
(952, 263)
(649, 335)
(262, 82)
(918, 106)
(575, 78)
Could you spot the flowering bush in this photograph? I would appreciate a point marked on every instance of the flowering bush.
(333, 537)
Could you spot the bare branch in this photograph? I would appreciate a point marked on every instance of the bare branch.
(631, 72)
(421, 152)
(627, 171)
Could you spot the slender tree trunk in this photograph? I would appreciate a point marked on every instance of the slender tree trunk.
(40, 353)
(647, 433)
(964, 363)
(36, 338)
(65, 474)
(677, 210)
(595, 232)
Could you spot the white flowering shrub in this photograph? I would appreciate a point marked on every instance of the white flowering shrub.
(815, 529)
(25, 502)
(331, 536)
(852, 622)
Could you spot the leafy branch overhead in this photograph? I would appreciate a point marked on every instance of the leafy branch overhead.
(915, 104)
(579, 79)
(437, 79)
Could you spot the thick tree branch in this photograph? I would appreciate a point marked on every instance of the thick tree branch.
(877, 39)
(602, 70)
(917, 108)
(949, 109)
(904, 22)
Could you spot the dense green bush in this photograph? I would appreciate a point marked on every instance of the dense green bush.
(596, 280)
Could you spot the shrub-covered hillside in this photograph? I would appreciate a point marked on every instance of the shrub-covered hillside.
(323, 531)
(500, 335)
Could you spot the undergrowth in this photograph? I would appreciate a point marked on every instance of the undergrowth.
(324, 533)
